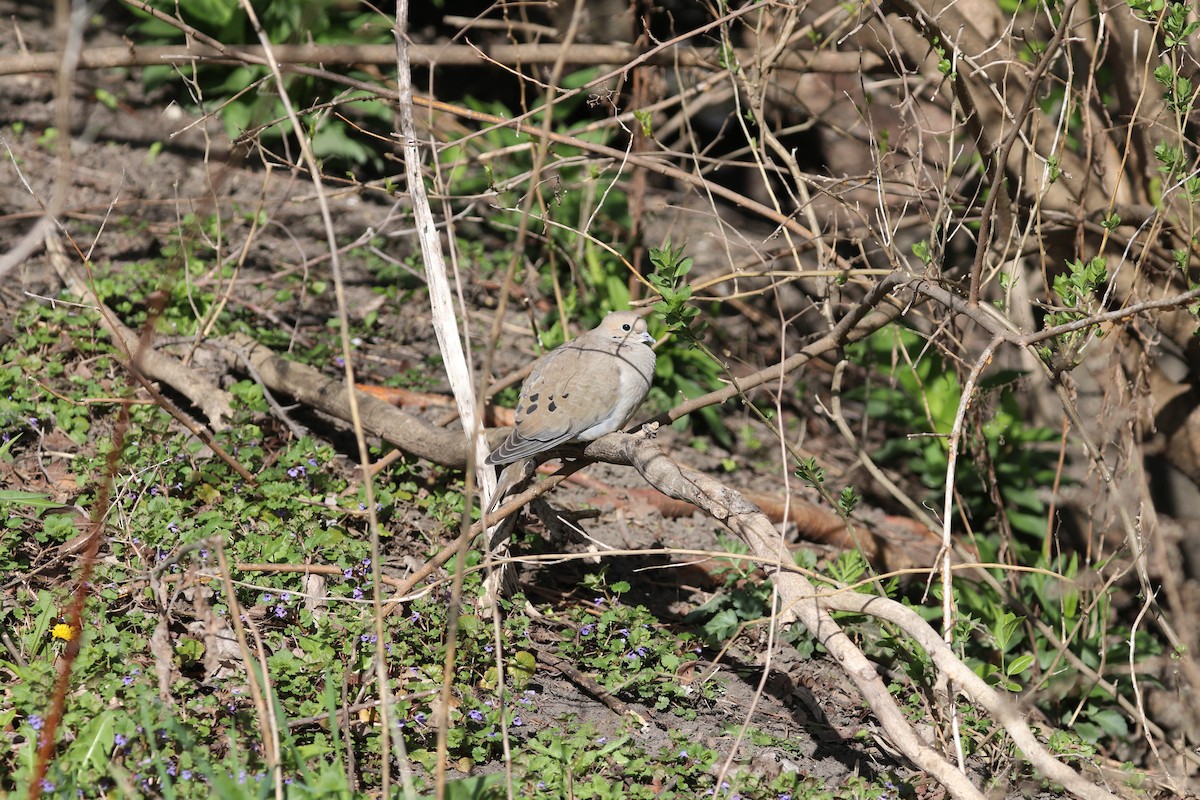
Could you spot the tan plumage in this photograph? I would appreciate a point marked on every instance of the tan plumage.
(589, 386)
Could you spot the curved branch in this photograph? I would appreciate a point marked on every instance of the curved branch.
(802, 601)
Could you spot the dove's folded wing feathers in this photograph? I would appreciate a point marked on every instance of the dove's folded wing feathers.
(586, 388)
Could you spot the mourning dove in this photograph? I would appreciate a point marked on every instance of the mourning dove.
(582, 390)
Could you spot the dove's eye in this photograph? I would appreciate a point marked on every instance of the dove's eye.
(626, 327)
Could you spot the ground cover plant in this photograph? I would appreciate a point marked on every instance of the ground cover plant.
(914, 515)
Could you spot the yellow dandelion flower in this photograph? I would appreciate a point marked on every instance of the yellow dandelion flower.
(63, 631)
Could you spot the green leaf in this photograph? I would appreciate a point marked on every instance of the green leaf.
(1019, 665)
(39, 500)
(723, 625)
(473, 788)
(95, 742)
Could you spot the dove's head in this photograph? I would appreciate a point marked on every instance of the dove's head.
(625, 327)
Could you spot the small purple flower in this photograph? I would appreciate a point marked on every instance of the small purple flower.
(186, 775)
(683, 755)
(357, 594)
(586, 630)
(475, 714)
(35, 722)
(517, 722)
(47, 786)
(119, 739)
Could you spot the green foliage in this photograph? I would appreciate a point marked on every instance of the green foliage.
(1178, 94)
(1002, 473)
(246, 94)
(1078, 288)
(945, 65)
(923, 252)
(174, 502)
(573, 200)
(1002, 646)
(849, 567)
(669, 280)
(578, 762)
(1176, 27)
(1177, 23)
(848, 500)
(744, 598)
(56, 400)
(1002, 462)
(808, 470)
(1004, 630)
(693, 371)
(630, 653)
